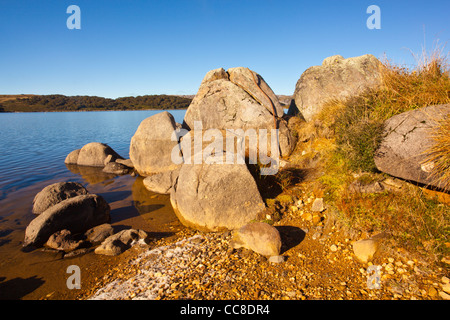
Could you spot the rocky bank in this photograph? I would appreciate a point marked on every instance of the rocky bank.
(237, 246)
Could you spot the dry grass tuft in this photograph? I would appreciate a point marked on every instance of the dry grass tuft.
(439, 154)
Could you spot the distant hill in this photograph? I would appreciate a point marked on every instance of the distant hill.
(56, 102)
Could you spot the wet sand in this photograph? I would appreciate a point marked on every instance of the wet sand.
(42, 275)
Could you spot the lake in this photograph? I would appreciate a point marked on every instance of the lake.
(34, 145)
(32, 153)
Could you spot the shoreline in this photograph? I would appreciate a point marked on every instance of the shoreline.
(319, 264)
(101, 110)
(41, 274)
(201, 266)
(181, 263)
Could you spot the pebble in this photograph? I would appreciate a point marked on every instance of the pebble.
(276, 259)
(203, 267)
(432, 292)
(389, 267)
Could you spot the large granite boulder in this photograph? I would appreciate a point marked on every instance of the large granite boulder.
(76, 214)
(55, 193)
(161, 182)
(215, 197)
(238, 99)
(336, 79)
(151, 146)
(92, 154)
(406, 139)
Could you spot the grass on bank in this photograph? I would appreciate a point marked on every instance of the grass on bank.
(439, 154)
(342, 139)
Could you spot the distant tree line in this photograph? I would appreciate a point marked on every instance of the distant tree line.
(56, 102)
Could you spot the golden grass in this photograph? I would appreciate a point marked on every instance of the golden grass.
(345, 135)
(438, 155)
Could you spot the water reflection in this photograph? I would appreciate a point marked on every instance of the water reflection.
(154, 208)
(91, 175)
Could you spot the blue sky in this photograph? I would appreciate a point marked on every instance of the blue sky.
(133, 47)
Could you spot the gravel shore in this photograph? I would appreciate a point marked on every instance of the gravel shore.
(317, 266)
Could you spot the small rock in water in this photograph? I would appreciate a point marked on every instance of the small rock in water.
(99, 233)
(116, 168)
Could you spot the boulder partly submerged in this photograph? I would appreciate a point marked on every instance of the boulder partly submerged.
(92, 154)
(76, 214)
(55, 193)
(116, 168)
(63, 240)
(336, 79)
(98, 234)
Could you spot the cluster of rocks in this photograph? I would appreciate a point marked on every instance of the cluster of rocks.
(187, 268)
(96, 154)
(208, 266)
(65, 205)
(71, 220)
(407, 137)
(205, 195)
(210, 196)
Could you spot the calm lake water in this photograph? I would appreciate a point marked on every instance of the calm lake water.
(34, 145)
(32, 153)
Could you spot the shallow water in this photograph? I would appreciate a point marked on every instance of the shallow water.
(32, 153)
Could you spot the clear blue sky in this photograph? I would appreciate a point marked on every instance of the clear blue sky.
(133, 47)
